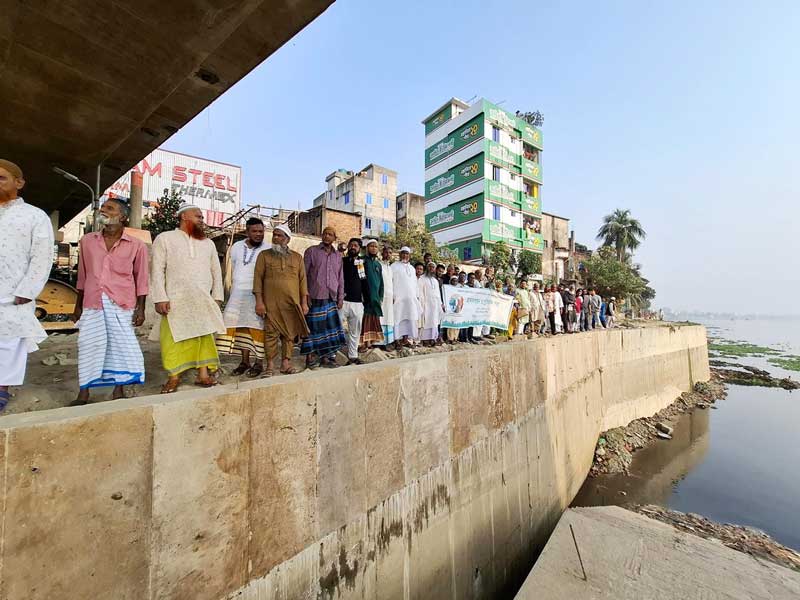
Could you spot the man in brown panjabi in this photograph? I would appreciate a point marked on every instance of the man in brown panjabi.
(279, 285)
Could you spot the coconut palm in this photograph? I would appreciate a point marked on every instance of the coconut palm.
(622, 232)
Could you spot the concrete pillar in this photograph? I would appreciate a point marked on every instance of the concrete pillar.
(54, 216)
(136, 200)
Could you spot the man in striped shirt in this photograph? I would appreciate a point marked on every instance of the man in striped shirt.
(112, 287)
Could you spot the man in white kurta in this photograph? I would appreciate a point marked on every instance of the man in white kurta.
(26, 256)
(430, 298)
(387, 306)
(186, 287)
(244, 328)
(406, 298)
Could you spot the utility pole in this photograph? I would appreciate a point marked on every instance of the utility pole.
(137, 182)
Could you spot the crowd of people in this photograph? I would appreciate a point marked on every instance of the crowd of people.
(332, 298)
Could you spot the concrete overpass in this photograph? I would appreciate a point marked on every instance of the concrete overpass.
(99, 82)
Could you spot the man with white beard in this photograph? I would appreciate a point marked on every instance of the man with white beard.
(406, 299)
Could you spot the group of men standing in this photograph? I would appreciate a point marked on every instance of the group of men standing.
(325, 301)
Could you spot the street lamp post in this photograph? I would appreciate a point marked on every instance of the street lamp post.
(75, 179)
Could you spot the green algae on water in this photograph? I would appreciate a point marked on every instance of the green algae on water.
(790, 363)
(737, 349)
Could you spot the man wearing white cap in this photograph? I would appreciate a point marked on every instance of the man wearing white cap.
(407, 309)
(371, 330)
(186, 287)
(611, 312)
(279, 284)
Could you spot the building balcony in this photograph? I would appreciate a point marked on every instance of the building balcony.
(500, 193)
(531, 135)
(532, 170)
(530, 205)
(533, 242)
(499, 154)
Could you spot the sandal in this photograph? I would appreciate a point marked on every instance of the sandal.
(243, 366)
(206, 383)
(269, 372)
(289, 371)
(255, 370)
(170, 386)
(4, 398)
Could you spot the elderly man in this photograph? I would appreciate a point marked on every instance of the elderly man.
(244, 328)
(387, 305)
(186, 288)
(112, 287)
(407, 308)
(281, 294)
(371, 331)
(26, 256)
(325, 280)
(430, 297)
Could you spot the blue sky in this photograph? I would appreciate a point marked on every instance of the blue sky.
(687, 113)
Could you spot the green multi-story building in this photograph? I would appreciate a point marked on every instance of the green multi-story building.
(482, 179)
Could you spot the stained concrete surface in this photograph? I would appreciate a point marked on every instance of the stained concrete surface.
(386, 480)
(628, 556)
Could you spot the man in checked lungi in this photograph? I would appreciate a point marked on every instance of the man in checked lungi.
(326, 296)
(112, 287)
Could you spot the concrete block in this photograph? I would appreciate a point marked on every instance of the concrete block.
(467, 389)
(283, 473)
(342, 470)
(201, 451)
(77, 507)
(500, 394)
(380, 391)
(423, 387)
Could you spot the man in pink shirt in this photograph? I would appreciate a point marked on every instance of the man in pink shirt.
(112, 287)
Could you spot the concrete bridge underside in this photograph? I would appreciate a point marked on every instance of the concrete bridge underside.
(87, 82)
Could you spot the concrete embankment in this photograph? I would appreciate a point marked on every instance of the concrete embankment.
(627, 556)
(426, 477)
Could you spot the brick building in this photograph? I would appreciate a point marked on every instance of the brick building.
(313, 221)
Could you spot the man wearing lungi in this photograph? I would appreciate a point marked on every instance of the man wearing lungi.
(112, 287)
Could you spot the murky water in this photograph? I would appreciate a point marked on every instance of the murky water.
(737, 464)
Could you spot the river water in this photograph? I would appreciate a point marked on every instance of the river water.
(736, 464)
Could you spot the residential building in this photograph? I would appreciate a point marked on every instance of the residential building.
(371, 192)
(557, 244)
(483, 176)
(410, 209)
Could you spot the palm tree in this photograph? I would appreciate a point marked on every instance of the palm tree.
(621, 231)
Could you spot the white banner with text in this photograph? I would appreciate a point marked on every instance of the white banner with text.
(475, 307)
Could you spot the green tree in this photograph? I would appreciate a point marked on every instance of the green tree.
(420, 240)
(500, 257)
(612, 277)
(163, 217)
(622, 232)
(530, 263)
(535, 118)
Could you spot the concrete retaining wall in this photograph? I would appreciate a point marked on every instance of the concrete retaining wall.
(427, 477)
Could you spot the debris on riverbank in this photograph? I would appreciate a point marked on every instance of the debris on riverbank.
(744, 539)
(615, 447)
(747, 375)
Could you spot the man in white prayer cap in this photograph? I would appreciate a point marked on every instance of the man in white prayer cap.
(186, 287)
(281, 291)
(407, 308)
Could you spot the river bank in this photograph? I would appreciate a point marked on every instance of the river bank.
(727, 460)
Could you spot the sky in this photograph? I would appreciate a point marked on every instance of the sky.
(686, 113)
